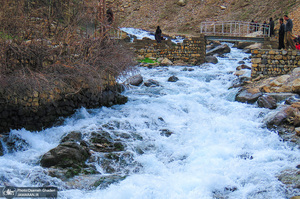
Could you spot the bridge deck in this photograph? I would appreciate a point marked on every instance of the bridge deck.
(234, 39)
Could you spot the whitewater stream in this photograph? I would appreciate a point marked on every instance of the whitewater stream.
(187, 139)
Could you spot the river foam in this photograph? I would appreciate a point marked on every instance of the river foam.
(218, 148)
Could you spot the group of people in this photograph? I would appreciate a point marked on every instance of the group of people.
(267, 29)
(286, 38)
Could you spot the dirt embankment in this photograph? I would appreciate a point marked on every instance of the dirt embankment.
(185, 16)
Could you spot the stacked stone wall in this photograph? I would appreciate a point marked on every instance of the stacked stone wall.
(37, 110)
(273, 62)
(191, 51)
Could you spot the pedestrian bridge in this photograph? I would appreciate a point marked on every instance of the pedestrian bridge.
(232, 31)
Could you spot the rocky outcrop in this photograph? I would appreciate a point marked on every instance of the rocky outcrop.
(67, 154)
(76, 154)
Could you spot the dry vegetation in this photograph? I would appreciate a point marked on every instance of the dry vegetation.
(46, 44)
(175, 19)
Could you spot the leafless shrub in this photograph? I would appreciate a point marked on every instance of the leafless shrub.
(46, 48)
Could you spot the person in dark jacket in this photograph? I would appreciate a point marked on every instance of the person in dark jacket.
(271, 24)
(281, 34)
(158, 35)
(288, 37)
(109, 16)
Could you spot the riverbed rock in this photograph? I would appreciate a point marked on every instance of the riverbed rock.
(248, 95)
(212, 45)
(282, 116)
(290, 177)
(296, 86)
(242, 45)
(74, 136)
(267, 101)
(165, 132)
(67, 154)
(15, 142)
(181, 2)
(173, 79)
(253, 46)
(243, 66)
(166, 62)
(151, 83)
(101, 141)
(219, 50)
(240, 73)
(135, 80)
(211, 59)
(295, 197)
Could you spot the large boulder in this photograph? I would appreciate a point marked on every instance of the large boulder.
(248, 95)
(135, 80)
(242, 45)
(211, 59)
(267, 101)
(166, 62)
(296, 85)
(219, 50)
(212, 45)
(67, 154)
(283, 116)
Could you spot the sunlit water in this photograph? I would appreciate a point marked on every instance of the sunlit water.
(219, 147)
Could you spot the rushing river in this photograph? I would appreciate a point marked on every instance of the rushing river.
(216, 147)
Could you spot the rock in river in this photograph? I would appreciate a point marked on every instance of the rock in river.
(67, 154)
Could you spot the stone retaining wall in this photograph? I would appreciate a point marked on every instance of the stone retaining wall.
(273, 62)
(38, 110)
(191, 51)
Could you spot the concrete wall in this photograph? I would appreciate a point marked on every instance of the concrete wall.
(191, 51)
(37, 110)
(273, 62)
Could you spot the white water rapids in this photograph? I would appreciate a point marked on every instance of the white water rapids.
(219, 148)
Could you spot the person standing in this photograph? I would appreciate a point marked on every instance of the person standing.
(288, 37)
(271, 27)
(158, 35)
(265, 28)
(110, 16)
(281, 34)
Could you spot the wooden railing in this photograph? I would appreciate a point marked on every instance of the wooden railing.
(234, 28)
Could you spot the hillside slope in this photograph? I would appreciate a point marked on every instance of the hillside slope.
(185, 17)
